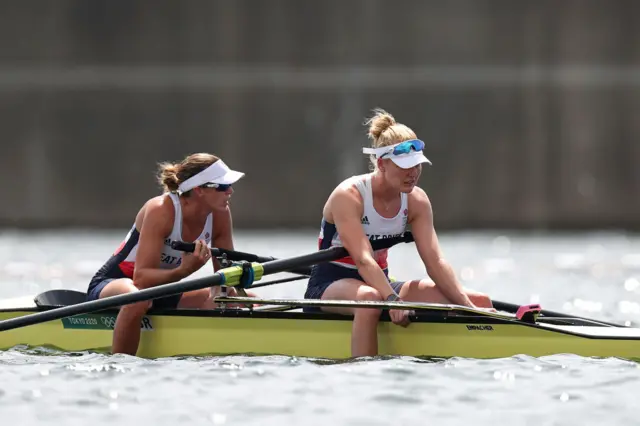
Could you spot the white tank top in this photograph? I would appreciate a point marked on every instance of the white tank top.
(374, 225)
(169, 257)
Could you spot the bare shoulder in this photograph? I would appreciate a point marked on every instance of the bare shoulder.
(345, 194)
(418, 196)
(157, 211)
(348, 188)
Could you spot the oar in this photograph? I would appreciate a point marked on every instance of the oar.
(251, 257)
(513, 308)
(238, 255)
(306, 271)
(227, 276)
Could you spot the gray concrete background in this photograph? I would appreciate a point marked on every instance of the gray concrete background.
(530, 110)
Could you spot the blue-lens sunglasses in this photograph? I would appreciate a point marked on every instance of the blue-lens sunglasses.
(406, 147)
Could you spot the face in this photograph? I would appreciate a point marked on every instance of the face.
(215, 198)
(403, 180)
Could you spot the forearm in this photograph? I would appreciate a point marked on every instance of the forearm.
(151, 277)
(445, 278)
(375, 277)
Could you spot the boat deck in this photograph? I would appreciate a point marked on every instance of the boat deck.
(283, 329)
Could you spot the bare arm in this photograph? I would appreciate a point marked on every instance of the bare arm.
(222, 233)
(438, 268)
(156, 226)
(346, 211)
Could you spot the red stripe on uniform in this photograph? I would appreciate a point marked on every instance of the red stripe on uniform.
(127, 268)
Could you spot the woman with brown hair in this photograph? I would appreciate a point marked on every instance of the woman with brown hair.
(193, 207)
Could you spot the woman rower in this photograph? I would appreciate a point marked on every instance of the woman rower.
(378, 205)
(193, 207)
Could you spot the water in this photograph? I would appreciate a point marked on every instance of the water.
(595, 275)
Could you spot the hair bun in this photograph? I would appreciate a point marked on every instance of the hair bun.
(380, 122)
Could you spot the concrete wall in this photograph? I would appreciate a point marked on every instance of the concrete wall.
(530, 110)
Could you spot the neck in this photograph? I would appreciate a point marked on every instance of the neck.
(192, 211)
(381, 189)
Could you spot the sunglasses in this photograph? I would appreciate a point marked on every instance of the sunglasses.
(406, 147)
(220, 187)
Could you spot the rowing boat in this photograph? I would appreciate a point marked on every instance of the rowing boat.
(64, 320)
(280, 327)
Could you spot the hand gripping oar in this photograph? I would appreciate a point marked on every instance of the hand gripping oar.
(232, 276)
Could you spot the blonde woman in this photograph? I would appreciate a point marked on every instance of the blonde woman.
(377, 205)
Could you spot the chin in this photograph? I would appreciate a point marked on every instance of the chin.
(406, 188)
(221, 207)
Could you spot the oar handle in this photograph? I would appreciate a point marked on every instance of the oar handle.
(183, 246)
(229, 254)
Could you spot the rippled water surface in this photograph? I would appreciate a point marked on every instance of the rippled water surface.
(594, 274)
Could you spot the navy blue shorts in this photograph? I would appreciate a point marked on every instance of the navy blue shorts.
(98, 283)
(323, 275)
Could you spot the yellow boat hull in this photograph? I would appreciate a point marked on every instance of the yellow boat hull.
(195, 333)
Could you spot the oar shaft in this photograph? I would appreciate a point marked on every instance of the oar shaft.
(229, 254)
(513, 308)
(250, 257)
(281, 265)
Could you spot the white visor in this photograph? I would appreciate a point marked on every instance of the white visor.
(218, 172)
(412, 159)
(404, 161)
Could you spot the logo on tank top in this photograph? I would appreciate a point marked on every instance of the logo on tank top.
(374, 237)
(169, 260)
(207, 237)
(365, 221)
